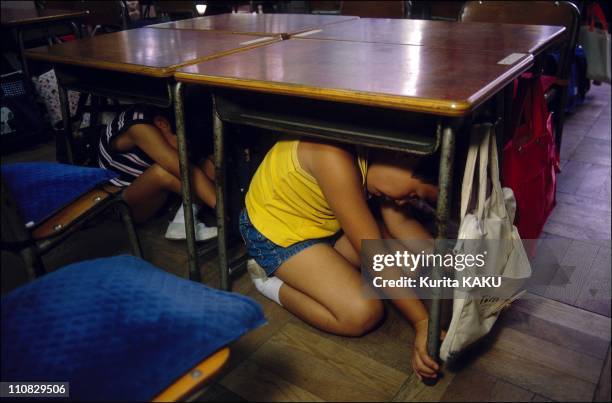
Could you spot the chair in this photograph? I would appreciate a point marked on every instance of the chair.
(107, 16)
(374, 9)
(560, 13)
(44, 203)
(119, 328)
(324, 7)
(435, 10)
(176, 9)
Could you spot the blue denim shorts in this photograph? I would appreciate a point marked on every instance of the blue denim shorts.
(268, 254)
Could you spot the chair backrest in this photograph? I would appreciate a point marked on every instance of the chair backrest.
(13, 227)
(324, 7)
(560, 13)
(60, 5)
(445, 10)
(176, 9)
(374, 9)
(109, 15)
(15, 236)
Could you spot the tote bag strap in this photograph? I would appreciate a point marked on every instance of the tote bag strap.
(483, 155)
(531, 105)
(480, 139)
(523, 99)
(470, 166)
(497, 193)
(539, 109)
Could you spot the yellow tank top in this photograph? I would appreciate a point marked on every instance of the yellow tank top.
(285, 203)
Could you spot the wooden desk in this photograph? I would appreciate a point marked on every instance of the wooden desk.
(21, 19)
(446, 82)
(146, 51)
(138, 65)
(480, 36)
(343, 91)
(12, 17)
(258, 24)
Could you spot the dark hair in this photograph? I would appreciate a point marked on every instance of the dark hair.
(425, 168)
(166, 113)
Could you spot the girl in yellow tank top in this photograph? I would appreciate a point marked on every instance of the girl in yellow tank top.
(285, 203)
(306, 215)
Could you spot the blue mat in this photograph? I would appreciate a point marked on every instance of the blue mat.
(42, 188)
(117, 328)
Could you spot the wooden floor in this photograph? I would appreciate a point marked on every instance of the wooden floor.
(553, 347)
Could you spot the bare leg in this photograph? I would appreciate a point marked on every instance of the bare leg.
(149, 191)
(324, 289)
(401, 225)
(208, 167)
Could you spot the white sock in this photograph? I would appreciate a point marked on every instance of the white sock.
(179, 217)
(268, 286)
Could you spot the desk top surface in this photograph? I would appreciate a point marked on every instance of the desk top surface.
(24, 16)
(147, 51)
(448, 82)
(480, 36)
(260, 24)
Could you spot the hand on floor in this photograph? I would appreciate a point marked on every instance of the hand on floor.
(422, 364)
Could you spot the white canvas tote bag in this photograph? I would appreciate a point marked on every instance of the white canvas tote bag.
(488, 226)
(596, 44)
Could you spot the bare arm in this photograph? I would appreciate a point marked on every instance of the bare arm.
(336, 173)
(153, 143)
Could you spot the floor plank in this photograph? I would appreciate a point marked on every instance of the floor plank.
(593, 150)
(519, 370)
(392, 343)
(255, 383)
(328, 369)
(507, 392)
(576, 264)
(217, 393)
(414, 390)
(602, 393)
(595, 295)
(560, 324)
(573, 363)
(473, 385)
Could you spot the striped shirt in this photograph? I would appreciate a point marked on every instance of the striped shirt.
(128, 164)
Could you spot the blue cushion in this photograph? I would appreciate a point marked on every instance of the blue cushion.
(42, 188)
(117, 328)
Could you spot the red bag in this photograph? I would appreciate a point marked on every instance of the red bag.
(530, 159)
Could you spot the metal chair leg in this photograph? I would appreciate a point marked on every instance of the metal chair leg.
(560, 118)
(33, 263)
(128, 223)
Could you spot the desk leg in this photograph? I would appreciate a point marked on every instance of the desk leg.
(192, 256)
(24, 62)
(67, 129)
(560, 118)
(220, 187)
(445, 182)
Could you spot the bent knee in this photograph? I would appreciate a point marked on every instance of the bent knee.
(361, 318)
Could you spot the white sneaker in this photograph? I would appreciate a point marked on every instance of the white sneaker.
(256, 272)
(176, 229)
